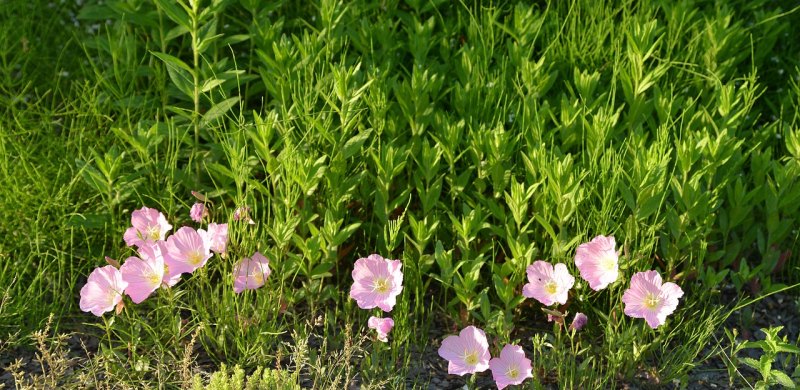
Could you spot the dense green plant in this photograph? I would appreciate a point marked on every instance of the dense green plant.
(235, 379)
(467, 140)
(771, 346)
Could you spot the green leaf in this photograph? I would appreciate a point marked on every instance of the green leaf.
(486, 307)
(354, 144)
(788, 348)
(321, 271)
(182, 80)
(220, 171)
(220, 109)
(782, 379)
(750, 362)
(211, 84)
(234, 39)
(765, 365)
(756, 344)
(175, 32)
(500, 288)
(93, 177)
(174, 12)
(170, 60)
(345, 233)
(546, 226)
(207, 35)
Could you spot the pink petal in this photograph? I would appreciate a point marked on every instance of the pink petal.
(382, 325)
(511, 356)
(588, 259)
(103, 290)
(366, 273)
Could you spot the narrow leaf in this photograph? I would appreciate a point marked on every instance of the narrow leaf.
(170, 60)
(220, 109)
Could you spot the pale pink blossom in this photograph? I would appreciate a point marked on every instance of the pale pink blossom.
(198, 212)
(151, 252)
(376, 282)
(185, 251)
(548, 284)
(381, 325)
(466, 353)
(102, 291)
(250, 273)
(216, 237)
(648, 298)
(511, 368)
(149, 226)
(146, 273)
(143, 276)
(579, 321)
(598, 262)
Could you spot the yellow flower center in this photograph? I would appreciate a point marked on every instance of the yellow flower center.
(112, 297)
(608, 263)
(471, 358)
(195, 258)
(513, 372)
(154, 233)
(381, 285)
(258, 277)
(651, 301)
(153, 278)
(551, 287)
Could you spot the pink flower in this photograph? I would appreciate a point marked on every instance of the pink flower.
(598, 262)
(579, 321)
(103, 290)
(143, 276)
(648, 298)
(149, 226)
(466, 353)
(250, 274)
(146, 273)
(511, 368)
(185, 251)
(382, 325)
(198, 212)
(216, 238)
(377, 282)
(548, 284)
(151, 253)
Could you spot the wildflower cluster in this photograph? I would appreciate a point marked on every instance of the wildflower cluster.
(598, 264)
(161, 260)
(468, 353)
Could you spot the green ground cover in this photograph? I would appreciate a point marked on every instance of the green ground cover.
(465, 139)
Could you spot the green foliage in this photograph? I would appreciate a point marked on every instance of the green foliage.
(772, 347)
(468, 140)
